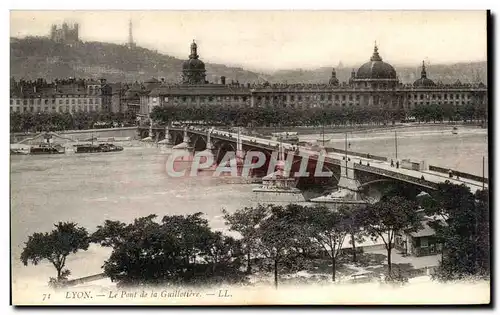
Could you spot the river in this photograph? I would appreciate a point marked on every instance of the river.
(90, 188)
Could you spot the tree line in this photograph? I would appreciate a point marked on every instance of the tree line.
(268, 116)
(183, 249)
(247, 116)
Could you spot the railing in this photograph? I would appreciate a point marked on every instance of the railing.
(363, 155)
(460, 174)
(395, 175)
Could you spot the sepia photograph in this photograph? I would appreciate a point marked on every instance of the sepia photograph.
(245, 158)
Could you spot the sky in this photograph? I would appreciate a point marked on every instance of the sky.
(277, 40)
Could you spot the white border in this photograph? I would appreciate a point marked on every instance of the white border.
(181, 5)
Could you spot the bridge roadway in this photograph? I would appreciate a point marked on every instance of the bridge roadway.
(376, 166)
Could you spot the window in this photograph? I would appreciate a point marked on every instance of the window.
(31, 102)
(236, 98)
(193, 99)
(210, 98)
(343, 97)
(11, 109)
(244, 98)
(67, 102)
(18, 102)
(90, 101)
(46, 108)
(73, 101)
(11, 103)
(424, 242)
(53, 101)
(299, 98)
(350, 97)
(79, 101)
(322, 97)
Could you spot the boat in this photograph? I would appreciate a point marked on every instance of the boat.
(19, 151)
(455, 131)
(47, 149)
(97, 148)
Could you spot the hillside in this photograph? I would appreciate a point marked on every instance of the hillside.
(36, 57)
(465, 72)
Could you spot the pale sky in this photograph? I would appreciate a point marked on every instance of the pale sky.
(274, 40)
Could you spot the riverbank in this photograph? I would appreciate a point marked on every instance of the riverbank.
(307, 130)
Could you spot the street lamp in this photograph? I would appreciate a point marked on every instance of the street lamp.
(396, 143)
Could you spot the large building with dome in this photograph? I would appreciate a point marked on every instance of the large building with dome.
(374, 85)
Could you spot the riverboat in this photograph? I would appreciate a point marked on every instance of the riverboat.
(47, 149)
(97, 148)
(454, 131)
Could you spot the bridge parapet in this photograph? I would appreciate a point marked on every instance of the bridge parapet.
(396, 175)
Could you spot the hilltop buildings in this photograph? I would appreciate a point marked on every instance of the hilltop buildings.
(66, 34)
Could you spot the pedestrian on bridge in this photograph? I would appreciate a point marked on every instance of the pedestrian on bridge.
(392, 163)
(397, 164)
(450, 173)
(422, 178)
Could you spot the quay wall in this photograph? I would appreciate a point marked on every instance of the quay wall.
(84, 134)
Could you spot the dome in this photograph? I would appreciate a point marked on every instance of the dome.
(376, 68)
(424, 81)
(193, 64)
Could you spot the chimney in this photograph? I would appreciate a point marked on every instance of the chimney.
(223, 80)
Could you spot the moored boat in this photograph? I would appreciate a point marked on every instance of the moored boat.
(47, 149)
(454, 131)
(97, 148)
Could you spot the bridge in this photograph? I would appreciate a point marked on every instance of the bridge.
(352, 170)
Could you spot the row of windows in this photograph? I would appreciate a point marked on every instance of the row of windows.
(53, 101)
(56, 109)
(203, 98)
(463, 102)
(438, 96)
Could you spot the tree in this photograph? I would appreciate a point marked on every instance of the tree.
(55, 246)
(279, 240)
(387, 217)
(245, 221)
(329, 229)
(110, 234)
(179, 250)
(465, 234)
(354, 224)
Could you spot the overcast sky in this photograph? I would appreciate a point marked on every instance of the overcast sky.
(273, 40)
